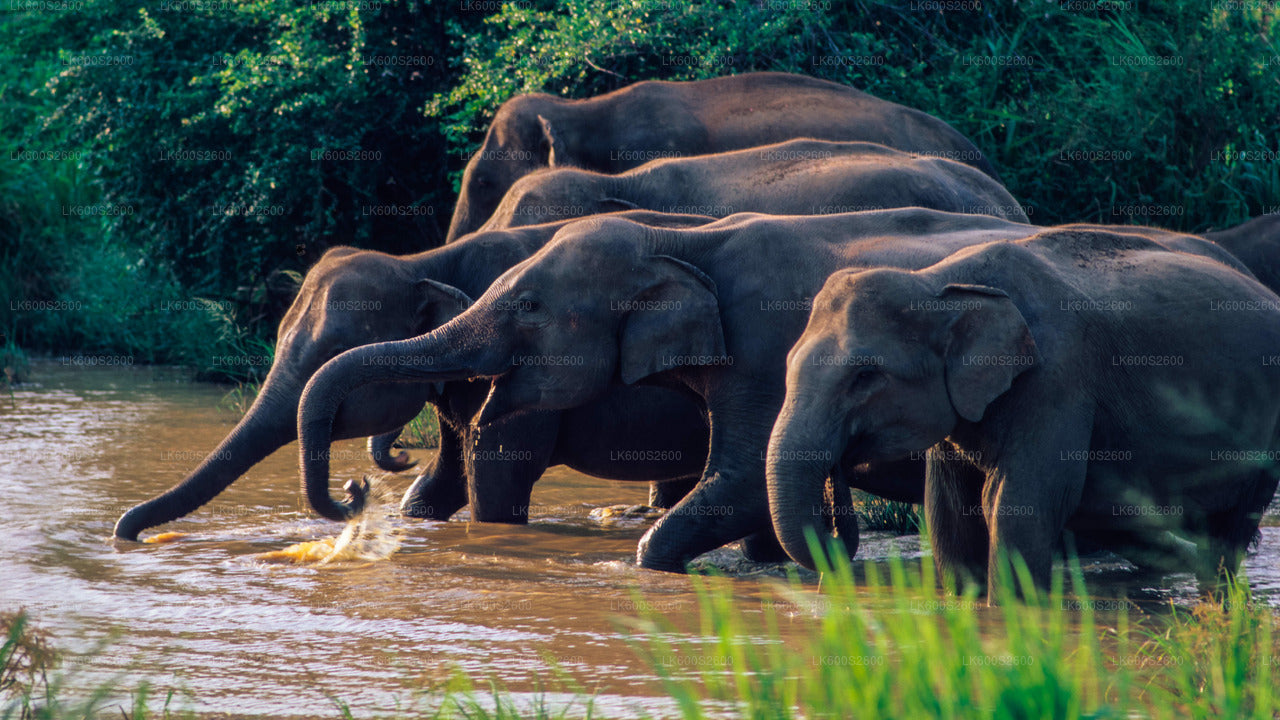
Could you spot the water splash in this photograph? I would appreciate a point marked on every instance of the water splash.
(165, 537)
(625, 515)
(371, 535)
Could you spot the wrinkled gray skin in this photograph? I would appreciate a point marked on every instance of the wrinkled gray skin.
(652, 119)
(1255, 243)
(796, 177)
(1019, 368)
(712, 310)
(354, 297)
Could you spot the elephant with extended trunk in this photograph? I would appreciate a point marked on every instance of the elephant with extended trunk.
(654, 119)
(796, 177)
(354, 297)
(1082, 379)
(712, 310)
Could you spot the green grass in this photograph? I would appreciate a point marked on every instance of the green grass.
(897, 647)
(876, 513)
(871, 642)
(423, 431)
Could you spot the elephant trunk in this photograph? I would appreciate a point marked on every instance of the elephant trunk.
(262, 431)
(804, 450)
(381, 447)
(455, 351)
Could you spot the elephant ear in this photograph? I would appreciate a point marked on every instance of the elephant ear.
(549, 137)
(675, 321)
(440, 303)
(988, 345)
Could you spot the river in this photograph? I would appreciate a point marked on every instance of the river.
(236, 632)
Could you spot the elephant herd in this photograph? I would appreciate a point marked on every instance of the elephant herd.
(758, 291)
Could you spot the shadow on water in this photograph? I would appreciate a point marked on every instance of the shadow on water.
(215, 609)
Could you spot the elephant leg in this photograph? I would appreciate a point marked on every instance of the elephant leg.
(763, 546)
(731, 501)
(504, 460)
(954, 518)
(441, 489)
(1027, 500)
(716, 513)
(666, 494)
(1229, 534)
(380, 447)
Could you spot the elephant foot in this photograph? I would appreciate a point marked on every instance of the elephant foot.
(666, 562)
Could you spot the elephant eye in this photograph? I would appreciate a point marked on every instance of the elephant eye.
(529, 310)
(865, 373)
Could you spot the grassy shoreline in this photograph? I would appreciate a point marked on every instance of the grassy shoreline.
(886, 645)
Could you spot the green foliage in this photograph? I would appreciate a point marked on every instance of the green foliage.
(201, 148)
(248, 137)
(25, 657)
(423, 431)
(861, 645)
(1115, 112)
(160, 154)
(877, 513)
(899, 648)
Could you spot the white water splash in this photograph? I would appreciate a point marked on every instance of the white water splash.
(371, 535)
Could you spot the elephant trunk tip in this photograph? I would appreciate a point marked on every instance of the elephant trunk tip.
(349, 508)
(357, 494)
(126, 528)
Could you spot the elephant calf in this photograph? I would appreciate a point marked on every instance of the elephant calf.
(797, 177)
(1081, 379)
(626, 128)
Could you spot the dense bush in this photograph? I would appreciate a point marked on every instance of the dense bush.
(204, 146)
(193, 149)
(1107, 111)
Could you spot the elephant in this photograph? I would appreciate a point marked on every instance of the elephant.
(796, 177)
(1257, 244)
(352, 297)
(647, 120)
(1109, 383)
(613, 302)
(610, 302)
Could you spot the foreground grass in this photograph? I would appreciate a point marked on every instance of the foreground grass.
(869, 647)
(899, 648)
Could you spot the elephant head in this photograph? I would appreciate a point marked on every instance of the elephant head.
(520, 140)
(888, 365)
(553, 332)
(348, 299)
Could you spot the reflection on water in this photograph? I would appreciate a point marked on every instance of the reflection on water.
(212, 609)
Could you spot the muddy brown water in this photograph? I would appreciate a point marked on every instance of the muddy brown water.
(235, 633)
